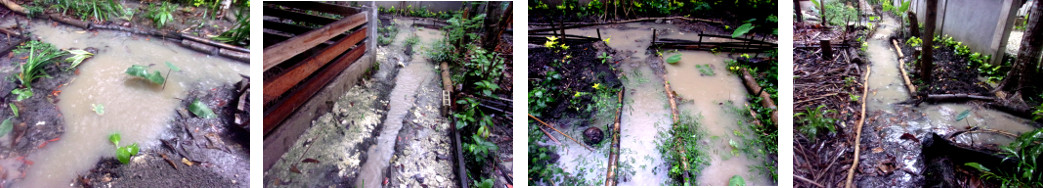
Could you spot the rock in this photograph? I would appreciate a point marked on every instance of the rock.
(593, 135)
(440, 179)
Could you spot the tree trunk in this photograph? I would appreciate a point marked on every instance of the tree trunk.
(914, 26)
(1028, 55)
(490, 28)
(822, 12)
(796, 5)
(926, 63)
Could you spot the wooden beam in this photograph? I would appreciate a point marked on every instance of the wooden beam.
(296, 99)
(286, 28)
(275, 54)
(296, 16)
(317, 6)
(275, 87)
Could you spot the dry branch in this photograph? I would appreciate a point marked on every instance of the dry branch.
(901, 66)
(858, 129)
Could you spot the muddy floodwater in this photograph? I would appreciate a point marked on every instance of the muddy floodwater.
(140, 111)
(646, 112)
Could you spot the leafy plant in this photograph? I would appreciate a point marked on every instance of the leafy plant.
(814, 121)
(685, 135)
(742, 30)
(239, 35)
(161, 13)
(22, 93)
(604, 57)
(412, 40)
(40, 54)
(142, 71)
(77, 57)
(1025, 152)
(14, 109)
(201, 110)
(480, 148)
(736, 180)
(705, 69)
(100, 10)
(913, 41)
(123, 153)
(6, 126)
(485, 183)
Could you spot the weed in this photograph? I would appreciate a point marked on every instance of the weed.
(1025, 151)
(814, 121)
(604, 57)
(100, 10)
(77, 57)
(387, 34)
(685, 135)
(411, 41)
(123, 153)
(913, 41)
(40, 55)
(240, 34)
(161, 13)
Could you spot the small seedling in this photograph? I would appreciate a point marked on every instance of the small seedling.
(98, 109)
(124, 153)
(22, 93)
(604, 57)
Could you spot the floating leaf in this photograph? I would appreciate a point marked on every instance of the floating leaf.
(673, 59)
(963, 115)
(142, 71)
(742, 30)
(5, 127)
(98, 109)
(115, 139)
(172, 67)
(736, 181)
(201, 110)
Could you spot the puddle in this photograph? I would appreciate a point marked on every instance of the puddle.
(416, 72)
(102, 81)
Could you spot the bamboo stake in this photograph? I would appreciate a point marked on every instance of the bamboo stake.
(567, 136)
(901, 66)
(858, 133)
(613, 155)
(549, 135)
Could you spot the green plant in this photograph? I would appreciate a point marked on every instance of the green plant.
(14, 109)
(742, 30)
(913, 41)
(814, 121)
(386, 34)
(100, 10)
(673, 59)
(604, 57)
(201, 110)
(736, 180)
(837, 13)
(22, 93)
(480, 148)
(412, 40)
(685, 135)
(487, 87)
(77, 57)
(854, 98)
(239, 35)
(142, 71)
(705, 69)
(1038, 114)
(1025, 152)
(6, 126)
(485, 183)
(123, 153)
(160, 14)
(40, 54)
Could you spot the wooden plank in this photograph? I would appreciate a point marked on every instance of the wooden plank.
(274, 38)
(286, 28)
(284, 109)
(275, 54)
(275, 87)
(317, 6)
(296, 16)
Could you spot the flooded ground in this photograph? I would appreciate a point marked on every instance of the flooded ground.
(646, 112)
(891, 157)
(102, 81)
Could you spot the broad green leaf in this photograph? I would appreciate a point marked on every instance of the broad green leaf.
(5, 127)
(963, 115)
(115, 139)
(133, 149)
(77, 57)
(201, 110)
(98, 109)
(742, 30)
(22, 93)
(142, 71)
(736, 181)
(673, 59)
(977, 166)
(14, 108)
(172, 67)
(123, 154)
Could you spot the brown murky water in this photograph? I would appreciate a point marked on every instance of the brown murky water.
(646, 111)
(415, 73)
(140, 111)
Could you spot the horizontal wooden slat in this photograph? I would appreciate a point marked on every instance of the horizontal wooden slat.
(296, 16)
(275, 87)
(274, 38)
(317, 6)
(309, 89)
(286, 28)
(275, 54)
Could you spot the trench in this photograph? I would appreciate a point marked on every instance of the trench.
(140, 111)
(888, 118)
(646, 113)
(416, 71)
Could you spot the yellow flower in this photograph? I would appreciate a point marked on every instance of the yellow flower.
(597, 85)
(552, 38)
(564, 47)
(606, 40)
(550, 44)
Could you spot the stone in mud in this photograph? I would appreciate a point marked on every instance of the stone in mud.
(593, 135)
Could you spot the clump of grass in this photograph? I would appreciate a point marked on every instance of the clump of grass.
(815, 121)
(685, 135)
(240, 34)
(411, 41)
(40, 55)
(1025, 150)
(99, 10)
(386, 35)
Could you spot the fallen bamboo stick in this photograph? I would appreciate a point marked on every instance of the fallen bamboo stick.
(549, 135)
(613, 155)
(566, 135)
(754, 88)
(901, 66)
(676, 118)
(858, 129)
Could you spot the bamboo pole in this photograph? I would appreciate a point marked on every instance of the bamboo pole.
(901, 66)
(566, 135)
(676, 118)
(613, 155)
(858, 129)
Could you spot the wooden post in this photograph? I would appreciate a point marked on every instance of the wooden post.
(827, 50)
(796, 5)
(926, 63)
(914, 25)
